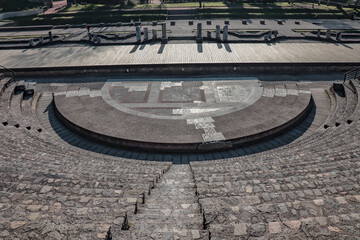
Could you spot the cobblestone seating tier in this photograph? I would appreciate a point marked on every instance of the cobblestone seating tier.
(52, 186)
(5, 101)
(59, 133)
(321, 133)
(276, 188)
(308, 189)
(55, 192)
(4, 82)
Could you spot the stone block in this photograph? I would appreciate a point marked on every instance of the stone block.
(20, 86)
(274, 227)
(240, 229)
(225, 33)
(138, 34)
(328, 34)
(146, 34)
(154, 34)
(217, 35)
(294, 225)
(29, 90)
(17, 224)
(50, 36)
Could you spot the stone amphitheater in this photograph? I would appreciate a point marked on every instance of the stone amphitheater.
(297, 182)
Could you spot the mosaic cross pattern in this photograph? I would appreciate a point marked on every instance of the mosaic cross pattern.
(194, 101)
(181, 99)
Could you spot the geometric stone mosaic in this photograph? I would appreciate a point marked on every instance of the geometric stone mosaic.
(194, 101)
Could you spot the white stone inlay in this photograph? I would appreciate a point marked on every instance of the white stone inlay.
(81, 92)
(280, 92)
(207, 124)
(170, 84)
(189, 111)
(268, 92)
(200, 120)
(293, 92)
(304, 91)
(59, 93)
(221, 96)
(217, 136)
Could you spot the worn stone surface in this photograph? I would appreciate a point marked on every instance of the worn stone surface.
(52, 190)
(181, 115)
(306, 189)
(171, 209)
(152, 54)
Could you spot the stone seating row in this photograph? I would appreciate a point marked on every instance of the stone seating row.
(61, 190)
(295, 190)
(56, 191)
(351, 112)
(308, 189)
(331, 118)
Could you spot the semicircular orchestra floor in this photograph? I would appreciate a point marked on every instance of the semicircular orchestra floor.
(182, 115)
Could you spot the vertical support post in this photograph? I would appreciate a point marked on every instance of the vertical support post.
(50, 36)
(225, 33)
(199, 37)
(146, 34)
(164, 38)
(138, 34)
(217, 32)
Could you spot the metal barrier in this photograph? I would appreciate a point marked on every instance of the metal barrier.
(7, 72)
(352, 74)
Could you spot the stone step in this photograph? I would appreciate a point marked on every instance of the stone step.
(170, 205)
(162, 232)
(249, 208)
(174, 219)
(156, 207)
(331, 227)
(168, 210)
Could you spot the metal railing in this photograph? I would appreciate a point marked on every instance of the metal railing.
(352, 74)
(7, 72)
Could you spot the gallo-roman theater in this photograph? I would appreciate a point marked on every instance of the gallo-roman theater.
(185, 128)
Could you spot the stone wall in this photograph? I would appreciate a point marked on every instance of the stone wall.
(190, 69)
(6, 15)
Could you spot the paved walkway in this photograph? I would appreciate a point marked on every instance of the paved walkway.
(57, 6)
(182, 27)
(180, 53)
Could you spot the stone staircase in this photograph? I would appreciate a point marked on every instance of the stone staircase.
(171, 212)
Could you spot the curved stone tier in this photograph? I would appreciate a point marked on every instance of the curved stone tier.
(178, 116)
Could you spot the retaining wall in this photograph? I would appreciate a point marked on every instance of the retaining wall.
(6, 15)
